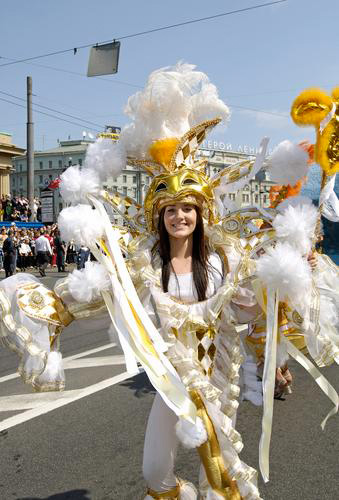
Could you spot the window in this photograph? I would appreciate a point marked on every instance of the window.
(41, 165)
(41, 179)
(134, 192)
(80, 162)
(13, 181)
(265, 198)
(256, 198)
(124, 179)
(20, 181)
(134, 179)
(50, 164)
(231, 196)
(20, 167)
(60, 163)
(147, 181)
(115, 188)
(124, 190)
(245, 198)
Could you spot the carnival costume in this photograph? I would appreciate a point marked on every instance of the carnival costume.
(190, 350)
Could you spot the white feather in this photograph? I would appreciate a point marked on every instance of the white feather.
(80, 223)
(174, 99)
(86, 285)
(296, 225)
(77, 183)
(106, 157)
(282, 268)
(187, 491)
(191, 435)
(287, 164)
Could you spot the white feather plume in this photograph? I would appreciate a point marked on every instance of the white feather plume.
(174, 99)
(106, 157)
(287, 164)
(296, 225)
(80, 223)
(86, 285)
(77, 183)
(282, 268)
(191, 435)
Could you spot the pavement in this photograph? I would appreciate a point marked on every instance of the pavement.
(86, 443)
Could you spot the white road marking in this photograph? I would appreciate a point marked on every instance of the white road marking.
(69, 358)
(64, 398)
(97, 361)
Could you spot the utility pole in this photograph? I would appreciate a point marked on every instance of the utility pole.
(30, 150)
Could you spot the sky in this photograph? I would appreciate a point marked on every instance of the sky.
(260, 60)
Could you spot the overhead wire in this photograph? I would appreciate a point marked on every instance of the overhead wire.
(48, 114)
(146, 32)
(54, 110)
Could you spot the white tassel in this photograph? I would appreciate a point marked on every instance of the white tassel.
(296, 225)
(283, 268)
(81, 224)
(86, 285)
(288, 163)
(191, 435)
(77, 183)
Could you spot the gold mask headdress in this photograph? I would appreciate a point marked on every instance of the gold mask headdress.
(178, 177)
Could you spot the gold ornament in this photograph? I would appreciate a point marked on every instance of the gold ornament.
(315, 107)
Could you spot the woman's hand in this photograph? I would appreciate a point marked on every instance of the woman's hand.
(312, 260)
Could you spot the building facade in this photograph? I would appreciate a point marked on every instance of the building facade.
(7, 152)
(49, 165)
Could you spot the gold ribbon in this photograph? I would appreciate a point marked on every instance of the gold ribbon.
(211, 457)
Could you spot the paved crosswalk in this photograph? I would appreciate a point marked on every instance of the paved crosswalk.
(34, 404)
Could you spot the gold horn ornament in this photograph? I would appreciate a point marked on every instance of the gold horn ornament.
(178, 177)
(315, 107)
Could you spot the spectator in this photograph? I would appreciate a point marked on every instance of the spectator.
(24, 252)
(60, 250)
(3, 236)
(43, 251)
(9, 254)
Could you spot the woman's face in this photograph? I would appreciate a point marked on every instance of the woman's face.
(180, 220)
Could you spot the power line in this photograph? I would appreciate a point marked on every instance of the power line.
(47, 114)
(54, 110)
(61, 70)
(154, 30)
(259, 111)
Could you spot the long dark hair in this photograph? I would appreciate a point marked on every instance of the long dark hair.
(200, 253)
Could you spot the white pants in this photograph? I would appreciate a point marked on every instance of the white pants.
(160, 447)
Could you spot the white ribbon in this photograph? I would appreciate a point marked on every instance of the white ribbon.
(323, 383)
(269, 381)
(328, 200)
(143, 339)
(327, 118)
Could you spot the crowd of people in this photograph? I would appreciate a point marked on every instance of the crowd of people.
(16, 208)
(24, 249)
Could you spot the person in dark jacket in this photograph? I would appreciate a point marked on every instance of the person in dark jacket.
(9, 251)
(60, 250)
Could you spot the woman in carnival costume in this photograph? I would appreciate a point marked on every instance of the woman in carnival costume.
(177, 280)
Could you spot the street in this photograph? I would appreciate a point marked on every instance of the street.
(86, 443)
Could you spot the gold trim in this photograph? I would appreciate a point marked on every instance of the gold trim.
(211, 458)
(172, 494)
